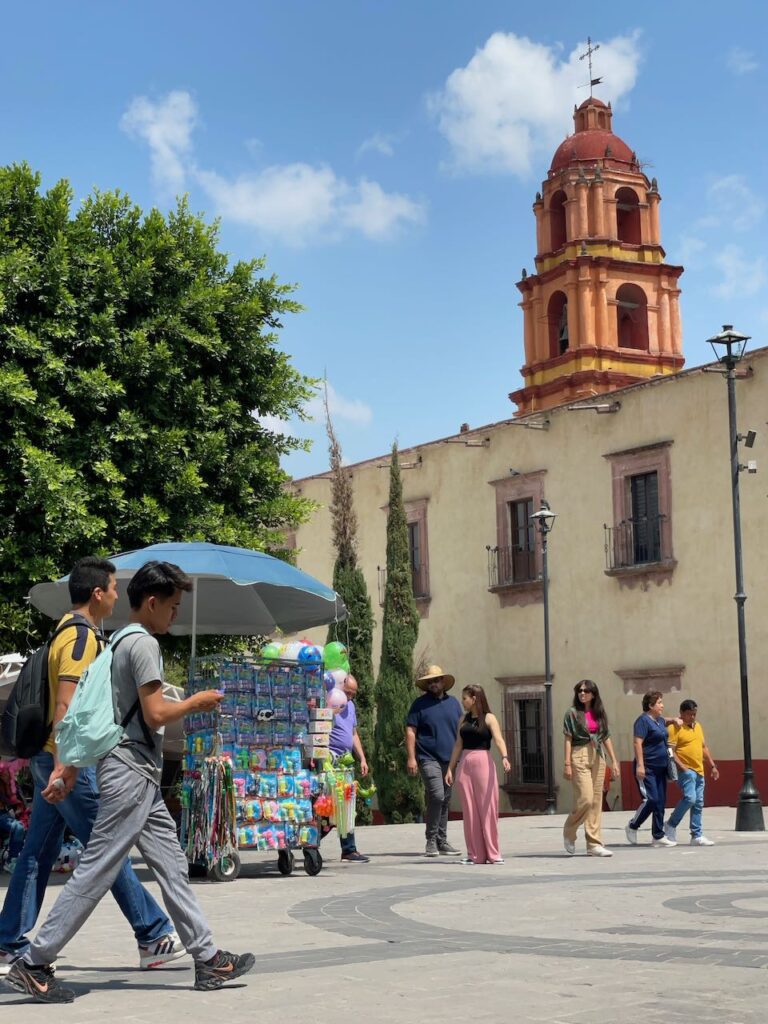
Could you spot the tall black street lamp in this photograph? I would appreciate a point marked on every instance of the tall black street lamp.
(545, 520)
(728, 347)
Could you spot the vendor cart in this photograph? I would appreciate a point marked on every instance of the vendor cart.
(249, 773)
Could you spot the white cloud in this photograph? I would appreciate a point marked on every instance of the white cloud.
(352, 410)
(274, 424)
(740, 61)
(731, 203)
(166, 126)
(300, 203)
(740, 275)
(510, 105)
(379, 143)
(379, 214)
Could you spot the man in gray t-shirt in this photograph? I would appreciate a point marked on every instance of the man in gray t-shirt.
(137, 662)
(131, 808)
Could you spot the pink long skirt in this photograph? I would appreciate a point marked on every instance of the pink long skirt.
(479, 789)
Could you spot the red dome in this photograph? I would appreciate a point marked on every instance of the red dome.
(590, 147)
(592, 101)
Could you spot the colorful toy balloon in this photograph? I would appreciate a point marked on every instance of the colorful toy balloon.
(328, 681)
(310, 655)
(339, 676)
(337, 700)
(270, 652)
(335, 656)
(291, 650)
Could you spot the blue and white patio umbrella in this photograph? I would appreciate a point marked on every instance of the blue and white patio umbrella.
(237, 592)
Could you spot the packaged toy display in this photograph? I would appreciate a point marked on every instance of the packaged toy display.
(249, 778)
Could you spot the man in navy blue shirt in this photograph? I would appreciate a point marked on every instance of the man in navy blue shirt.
(430, 733)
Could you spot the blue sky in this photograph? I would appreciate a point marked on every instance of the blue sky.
(384, 156)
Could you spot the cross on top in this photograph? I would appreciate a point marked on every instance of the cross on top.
(588, 55)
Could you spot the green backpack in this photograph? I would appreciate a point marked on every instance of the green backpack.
(88, 731)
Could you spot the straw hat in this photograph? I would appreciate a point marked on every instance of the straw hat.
(432, 673)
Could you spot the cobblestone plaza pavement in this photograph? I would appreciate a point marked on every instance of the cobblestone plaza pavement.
(651, 935)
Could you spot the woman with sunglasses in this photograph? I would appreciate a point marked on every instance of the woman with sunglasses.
(587, 742)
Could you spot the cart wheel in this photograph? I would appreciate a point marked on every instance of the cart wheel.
(285, 862)
(313, 861)
(225, 870)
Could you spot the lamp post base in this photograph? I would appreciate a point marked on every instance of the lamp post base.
(749, 810)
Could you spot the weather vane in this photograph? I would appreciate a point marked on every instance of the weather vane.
(588, 55)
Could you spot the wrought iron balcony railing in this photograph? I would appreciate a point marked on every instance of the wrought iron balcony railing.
(635, 542)
(507, 565)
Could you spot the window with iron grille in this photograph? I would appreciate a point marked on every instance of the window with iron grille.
(525, 728)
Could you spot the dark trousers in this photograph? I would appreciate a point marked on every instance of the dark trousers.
(653, 790)
(438, 796)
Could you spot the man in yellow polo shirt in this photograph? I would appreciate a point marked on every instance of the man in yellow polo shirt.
(690, 751)
(93, 592)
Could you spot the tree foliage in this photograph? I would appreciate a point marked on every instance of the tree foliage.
(135, 361)
(349, 582)
(400, 795)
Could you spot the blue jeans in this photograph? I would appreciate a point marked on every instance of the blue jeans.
(26, 888)
(14, 832)
(653, 790)
(692, 785)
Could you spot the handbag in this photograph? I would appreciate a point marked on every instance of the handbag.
(671, 766)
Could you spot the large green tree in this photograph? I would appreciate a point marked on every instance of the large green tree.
(349, 582)
(400, 795)
(136, 366)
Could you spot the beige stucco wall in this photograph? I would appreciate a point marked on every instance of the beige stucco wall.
(597, 625)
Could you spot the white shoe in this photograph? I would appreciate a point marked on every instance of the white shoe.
(670, 832)
(631, 834)
(599, 851)
(6, 959)
(499, 861)
(701, 841)
(466, 861)
(663, 842)
(166, 949)
(570, 846)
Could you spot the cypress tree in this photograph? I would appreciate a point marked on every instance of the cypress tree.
(400, 795)
(349, 583)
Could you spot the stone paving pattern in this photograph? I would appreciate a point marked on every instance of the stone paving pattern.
(651, 935)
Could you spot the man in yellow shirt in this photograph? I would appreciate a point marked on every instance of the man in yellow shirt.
(93, 592)
(690, 751)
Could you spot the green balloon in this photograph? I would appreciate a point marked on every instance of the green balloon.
(270, 652)
(335, 656)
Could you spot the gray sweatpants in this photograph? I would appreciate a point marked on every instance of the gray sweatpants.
(131, 812)
(438, 799)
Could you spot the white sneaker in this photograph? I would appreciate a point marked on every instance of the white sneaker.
(631, 834)
(599, 851)
(670, 832)
(166, 949)
(663, 842)
(6, 959)
(701, 841)
(570, 846)
(466, 861)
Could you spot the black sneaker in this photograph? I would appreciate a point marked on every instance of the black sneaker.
(222, 968)
(446, 850)
(355, 857)
(37, 982)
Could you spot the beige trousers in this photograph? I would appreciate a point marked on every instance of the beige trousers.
(587, 776)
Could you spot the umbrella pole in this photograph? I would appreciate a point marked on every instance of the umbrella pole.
(194, 620)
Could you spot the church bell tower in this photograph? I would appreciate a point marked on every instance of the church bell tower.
(601, 311)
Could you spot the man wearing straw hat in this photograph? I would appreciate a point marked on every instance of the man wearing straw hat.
(430, 733)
